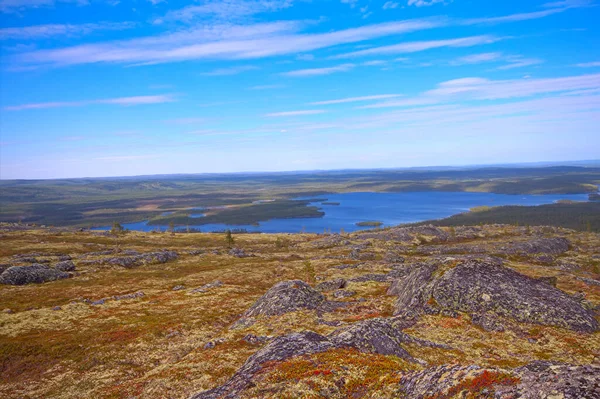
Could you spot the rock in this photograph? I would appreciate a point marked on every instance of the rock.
(357, 254)
(8, 311)
(547, 246)
(481, 288)
(213, 343)
(551, 280)
(408, 234)
(392, 257)
(98, 302)
(254, 340)
(539, 379)
(133, 295)
(379, 335)
(195, 252)
(178, 288)
(57, 308)
(381, 278)
(238, 253)
(36, 273)
(206, 287)
(281, 348)
(65, 266)
(343, 293)
(147, 258)
(589, 281)
(382, 336)
(284, 297)
(331, 285)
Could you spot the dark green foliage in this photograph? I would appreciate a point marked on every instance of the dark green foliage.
(583, 216)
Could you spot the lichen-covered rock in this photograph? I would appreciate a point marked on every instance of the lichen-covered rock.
(538, 380)
(36, 273)
(65, 266)
(483, 288)
(281, 348)
(408, 234)
(284, 297)
(547, 246)
(207, 287)
(380, 335)
(331, 285)
(147, 258)
(238, 253)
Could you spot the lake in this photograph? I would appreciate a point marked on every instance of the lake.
(389, 208)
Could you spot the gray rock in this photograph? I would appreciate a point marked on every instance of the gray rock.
(206, 287)
(546, 246)
(343, 293)
(238, 253)
(331, 285)
(36, 273)
(133, 295)
(407, 234)
(65, 266)
(178, 288)
(482, 288)
(284, 297)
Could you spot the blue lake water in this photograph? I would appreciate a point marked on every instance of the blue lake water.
(389, 208)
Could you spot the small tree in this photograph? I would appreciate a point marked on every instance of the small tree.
(117, 229)
(229, 239)
(171, 227)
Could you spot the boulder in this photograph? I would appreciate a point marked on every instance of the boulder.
(331, 285)
(65, 266)
(408, 234)
(285, 297)
(546, 246)
(483, 288)
(36, 273)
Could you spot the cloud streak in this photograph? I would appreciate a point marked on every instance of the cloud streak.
(54, 30)
(356, 99)
(122, 101)
(296, 113)
(319, 71)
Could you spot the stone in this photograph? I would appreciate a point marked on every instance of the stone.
(178, 288)
(206, 287)
(65, 266)
(331, 285)
(34, 274)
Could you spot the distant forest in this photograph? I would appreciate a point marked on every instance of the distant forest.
(583, 216)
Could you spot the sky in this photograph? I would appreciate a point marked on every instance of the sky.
(92, 88)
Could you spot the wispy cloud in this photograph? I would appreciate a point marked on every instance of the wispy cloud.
(231, 71)
(266, 87)
(53, 30)
(8, 6)
(319, 71)
(296, 113)
(356, 99)
(423, 3)
(413, 47)
(520, 62)
(390, 5)
(588, 64)
(122, 101)
(227, 10)
(221, 42)
(477, 58)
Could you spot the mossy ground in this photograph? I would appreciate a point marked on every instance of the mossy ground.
(153, 346)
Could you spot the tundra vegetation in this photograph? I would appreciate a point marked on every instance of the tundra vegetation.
(415, 312)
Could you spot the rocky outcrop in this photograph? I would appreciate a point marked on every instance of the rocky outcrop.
(426, 233)
(34, 274)
(547, 246)
(331, 285)
(65, 266)
(142, 259)
(536, 380)
(285, 297)
(381, 336)
(482, 288)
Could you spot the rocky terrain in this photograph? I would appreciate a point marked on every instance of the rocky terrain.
(492, 311)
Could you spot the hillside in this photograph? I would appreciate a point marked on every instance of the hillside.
(377, 314)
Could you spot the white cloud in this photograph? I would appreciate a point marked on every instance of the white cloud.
(9, 6)
(589, 64)
(389, 5)
(226, 10)
(477, 58)
(356, 99)
(123, 101)
(423, 3)
(296, 113)
(412, 47)
(216, 42)
(319, 71)
(52, 30)
(266, 87)
(231, 71)
(519, 62)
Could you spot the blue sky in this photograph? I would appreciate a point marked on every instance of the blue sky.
(129, 87)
